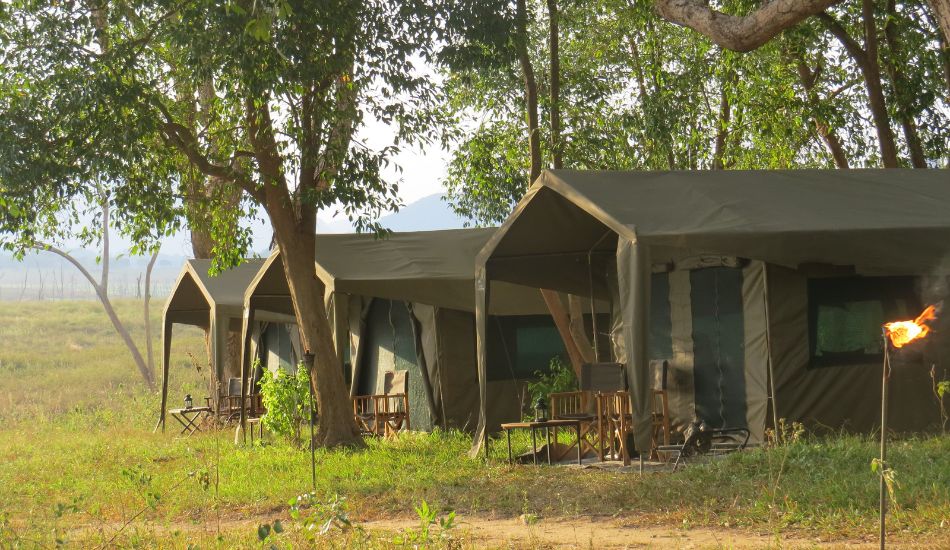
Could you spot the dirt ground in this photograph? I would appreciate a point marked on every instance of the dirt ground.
(561, 533)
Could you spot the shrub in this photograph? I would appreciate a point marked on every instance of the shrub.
(559, 378)
(287, 401)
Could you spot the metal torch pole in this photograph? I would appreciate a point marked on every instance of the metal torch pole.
(885, 375)
(308, 361)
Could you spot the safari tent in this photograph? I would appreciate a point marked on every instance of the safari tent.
(765, 291)
(215, 304)
(406, 302)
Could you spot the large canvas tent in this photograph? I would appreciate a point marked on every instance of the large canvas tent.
(734, 276)
(213, 303)
(406, 302)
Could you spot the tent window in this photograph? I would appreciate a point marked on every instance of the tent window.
(845, 316)
(520, 345)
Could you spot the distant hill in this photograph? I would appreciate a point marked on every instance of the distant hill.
(426, 214)
(46, 276)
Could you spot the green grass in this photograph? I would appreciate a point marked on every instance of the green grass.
(78, 459)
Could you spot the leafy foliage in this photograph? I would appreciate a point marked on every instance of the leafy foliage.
(560, 377)
(287, 400)
(639, 93)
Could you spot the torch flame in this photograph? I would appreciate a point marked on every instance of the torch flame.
(902, 333)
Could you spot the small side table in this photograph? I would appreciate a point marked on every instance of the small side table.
(546, 425)
(188, 418)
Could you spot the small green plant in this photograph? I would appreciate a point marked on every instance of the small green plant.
(881, 468)
(940, 388)
(429, 518)
(559, 378)
(318, 518)
(287, 400)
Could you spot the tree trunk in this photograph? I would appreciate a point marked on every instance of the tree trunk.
(563, 323)
(941, 9)
(557, 146)
(578, 331)
(336, 426)
(531, 91)
(722, 135)
(902, 89)
(148, 318)
(867, 60)
(740, 33)
(832, 142)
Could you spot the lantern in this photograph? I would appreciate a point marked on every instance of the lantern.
(188, 402)
(541, 410)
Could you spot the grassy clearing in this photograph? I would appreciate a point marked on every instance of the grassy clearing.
(79, 459)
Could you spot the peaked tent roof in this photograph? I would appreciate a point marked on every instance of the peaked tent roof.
(431, 267)
(895, 220)
(196, 291)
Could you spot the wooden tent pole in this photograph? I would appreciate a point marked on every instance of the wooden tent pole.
(768, 349)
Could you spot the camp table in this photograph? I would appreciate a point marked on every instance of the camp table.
(547, 425)
(188, 418)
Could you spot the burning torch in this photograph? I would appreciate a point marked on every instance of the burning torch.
(897, 334)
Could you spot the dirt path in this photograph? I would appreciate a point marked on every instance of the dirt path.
(561, 533)
(571, 533)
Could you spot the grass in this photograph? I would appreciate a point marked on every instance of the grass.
(78, 459)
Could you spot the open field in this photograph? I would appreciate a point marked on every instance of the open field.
(79, 464)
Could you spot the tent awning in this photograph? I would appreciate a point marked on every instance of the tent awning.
(876, 220)
(429, 267)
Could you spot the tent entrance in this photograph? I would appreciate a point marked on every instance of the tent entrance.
(718, 347)
(391, 346)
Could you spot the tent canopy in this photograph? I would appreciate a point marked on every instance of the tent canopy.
(196, 293)
(430, 267)
(874, 220)
(214, 303)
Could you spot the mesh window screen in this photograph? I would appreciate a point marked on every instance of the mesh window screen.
(520, 345)
(845, 316)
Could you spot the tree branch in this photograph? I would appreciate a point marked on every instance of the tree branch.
(740, 33)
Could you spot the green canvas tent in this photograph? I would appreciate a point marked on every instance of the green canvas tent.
(406, 302)
(752, 284)
(215, 304)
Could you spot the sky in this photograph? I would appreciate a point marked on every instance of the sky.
(423, 171)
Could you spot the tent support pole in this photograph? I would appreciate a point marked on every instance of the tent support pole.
(245, 366)
(590, 287)
(166, 351)
(768, 349)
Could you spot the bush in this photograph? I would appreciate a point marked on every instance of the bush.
(287, 400)
(559, 378)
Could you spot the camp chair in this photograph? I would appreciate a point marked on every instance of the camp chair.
(615, 424)
(385, 413)
(581, 405)
(660, 418)
(229, 401)
(700, 439)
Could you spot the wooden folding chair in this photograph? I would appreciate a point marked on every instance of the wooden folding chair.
(576, 405)
(228, 405)
(660, 419)
(615, 425)
(385, 413)
(581, 405)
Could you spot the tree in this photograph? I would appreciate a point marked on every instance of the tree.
(740, 33)
(41, 237)
(293, 83)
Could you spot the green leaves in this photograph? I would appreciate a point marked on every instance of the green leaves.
(287, 400)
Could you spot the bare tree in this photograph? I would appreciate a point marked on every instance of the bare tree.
(101, 287)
